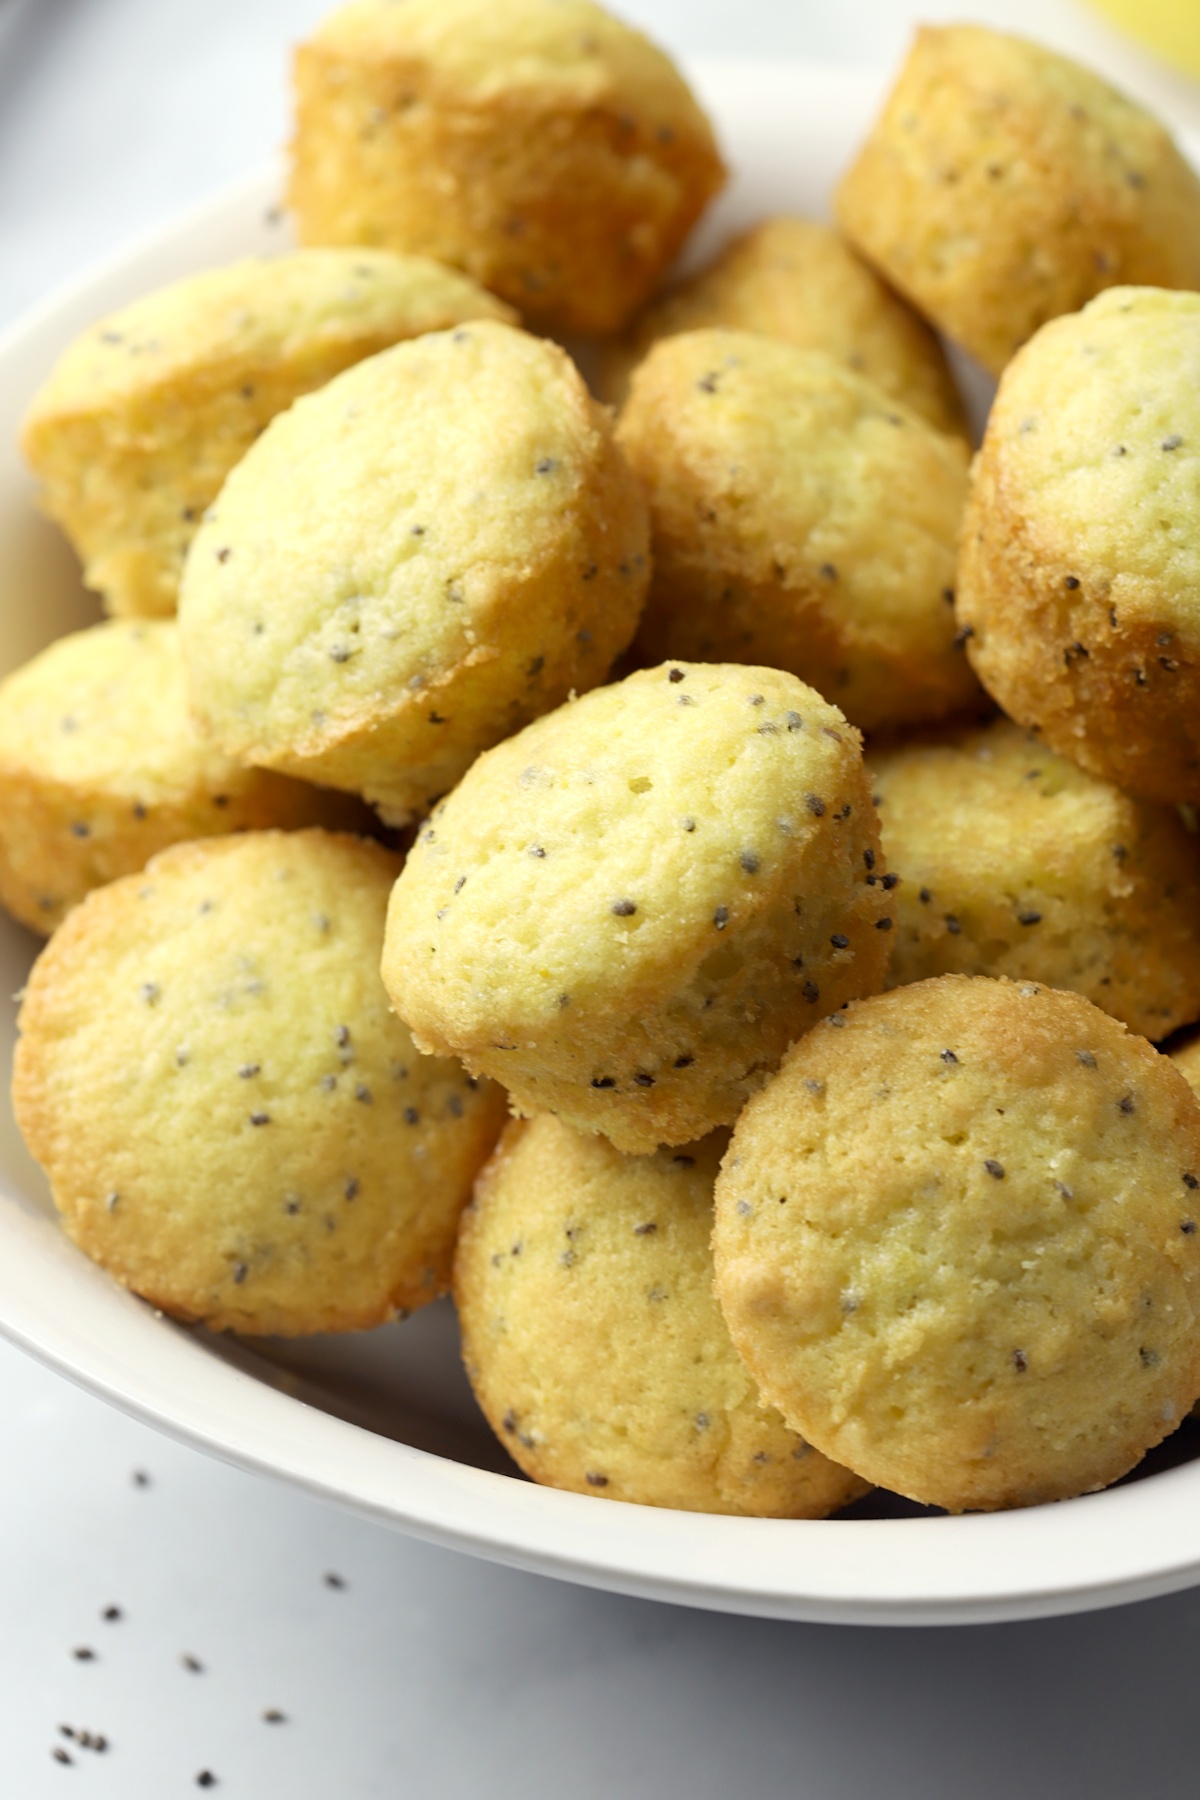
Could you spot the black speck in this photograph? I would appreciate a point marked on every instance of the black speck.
(363, 1095)
(1149, 1358)
(1020, 1361)
(623, 909)
(829, 571)
(750, 862)
(962, 635)
(61, 1755)
(684, 1062)
(1085, 1058)
(1072, 582)
(924, 896)
(240, 1272)
(815, 805)
(644, 1081)
(1190, 1180)
(994, 1169)
(80, 830)
(273, 1716)
(688, 824)
(1172, 443)
(248, 1070)
(840, 941)
(82, 1653)
(721, 917)
(150, 993)
(222, 556)
(595, 1480)
(708, 383)
(206, 1778)
(811, 992)
(646, 1229)
(411, 1116)
(889, 882)
(192, 1664)
(111, 1614)
(948, 1056)
(1188, 1228)
(952, 925)
(140, 1478)
(333, 1580)
(676, 675)
(436, 719)
(260, 1118)
(883, 924)
(794, 721)
(1029, 918)
(603, 1081)
(1126, 1104)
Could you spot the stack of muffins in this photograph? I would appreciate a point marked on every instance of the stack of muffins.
(841, 1153)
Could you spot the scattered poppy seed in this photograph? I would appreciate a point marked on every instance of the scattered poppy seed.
(684, 1062)
(750, 862)
(111, 1614)
(645, 1230)
(595, 1480)
(82, 1653)
(962, 635)
(623, 909)
(603, 1081)
(240, 1271)
(411, 1116)
(675, 675)
(460, 884)
(140, 1478)
(1068, 1193)
(707, 384)
(150, 993)
(1020, 1361)
(811, 992)
(273, 1716)
(1085, 1058)
(80, 830)
(206, 1779)
(948, 1056)
(351, 1189)
(685, 1162)
(1173, 442)
(436, 718)
(952, 925)
(688, 824)
(994, 1169)
(1126, 1104)
(829, 571)
(222, 556)
(341, 1036)
(644, 1081)
(248, 1070)
(815, 805)
(1190, 1180)
(61, 1755)
(1149, 1358)
(113, 1201)
(192, 1664)
(721, 917)
(924, 896)
(363, 1095)
(840, 941)
(869, 859)
(260, 1118)
(883, 924)
(754, 700)
(889, 882)
(1072, 581)
(1029, 918)
(333, 1580)
(744, 1208)
(1188, 1227)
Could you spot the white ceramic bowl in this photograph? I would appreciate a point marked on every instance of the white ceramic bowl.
(384, 1423)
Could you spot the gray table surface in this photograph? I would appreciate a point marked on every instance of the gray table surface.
(418, 1671)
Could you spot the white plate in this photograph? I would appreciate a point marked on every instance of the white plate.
(384, 1423)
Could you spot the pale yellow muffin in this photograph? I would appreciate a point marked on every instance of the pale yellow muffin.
(410, 564)
(1186, 1058)
(956, 1243)
(146, 413)
(543, 146)
(1003, 185)
(1009, 860)
(802, 518)
(799, 281)
(233, 1122)
(629, 910)
(101, 767)
(595, 1346)
(1079, 581)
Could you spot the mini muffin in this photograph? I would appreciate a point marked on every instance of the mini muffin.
(412, 563)
(628, 911)
(233, 1122)
(146, 413)
(802, 518)
(956, 1243)
(593, 1341)
(800, 282)
(1008, 860)
(1079, 582)
(1004, 185)
(1186, 1057)
(101, 768)
(543, 146)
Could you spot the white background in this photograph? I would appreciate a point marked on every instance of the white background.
(427, 1673)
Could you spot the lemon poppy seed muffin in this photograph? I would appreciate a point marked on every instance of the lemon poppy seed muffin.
(801, 518)
(233, 1122)
(1079, 580)
(543, 146)
(1004, 185)
(956, 1243)
(629, 910)
(799, 281)
(412, 563)
(583, 1281)
(1186, 1057)
(101, 767)
(1010, 860)
(145, 414)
